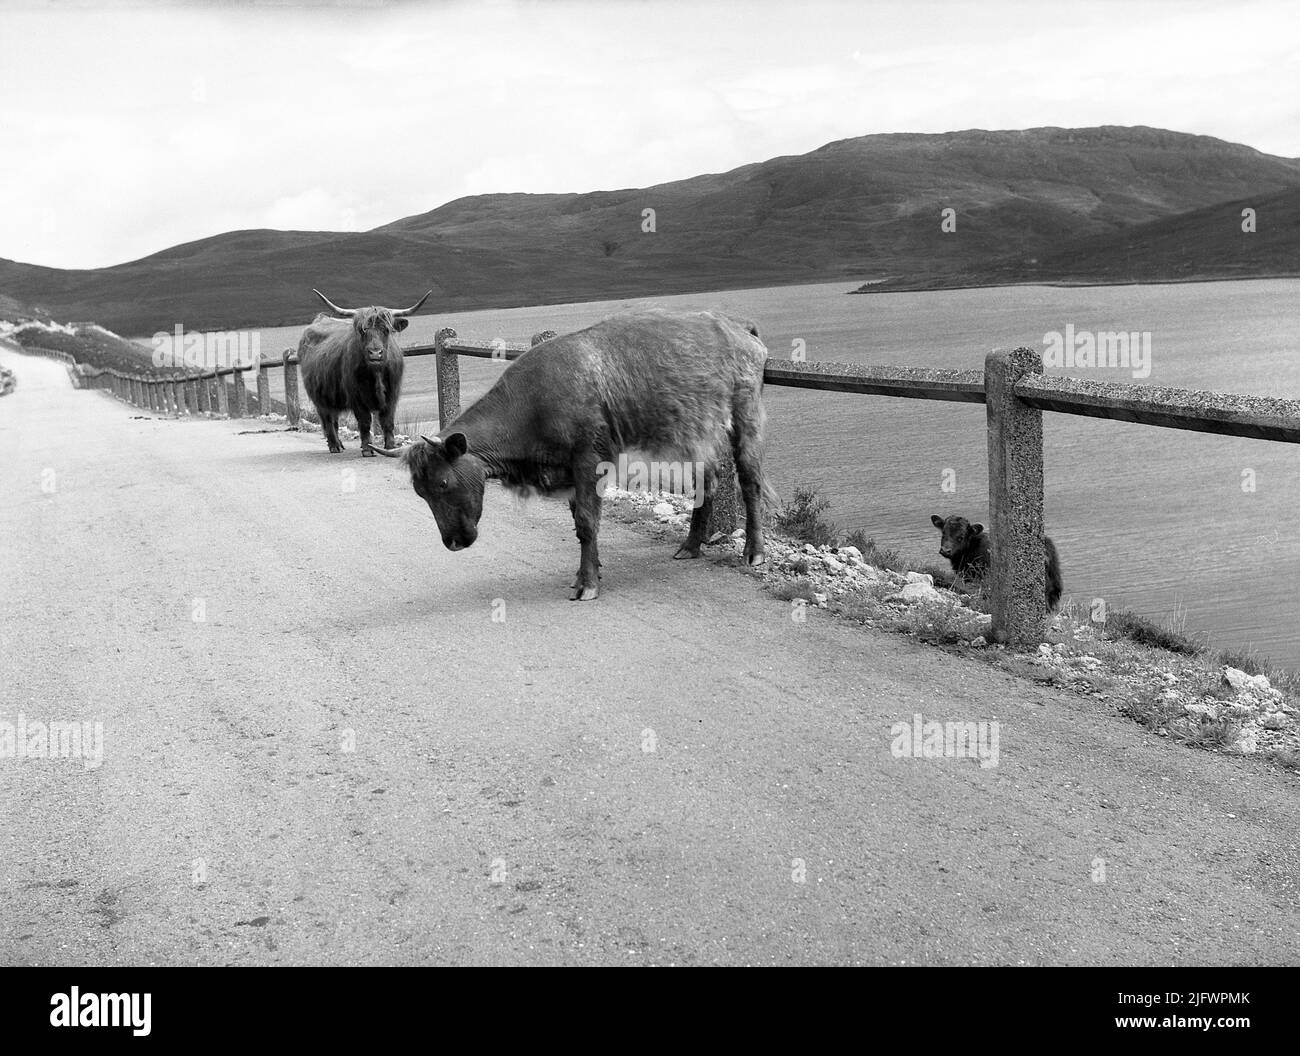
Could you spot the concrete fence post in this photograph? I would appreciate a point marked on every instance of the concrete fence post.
(223, 394)
(263, 389)
(543, 335)
(204, 391)
(1015, 431)
(191, 393)
(160, 387)
(178, 393)
(139, 392)
(292, 408)
(726, 507)
(448, 377)
(241, 394)
(151, 387)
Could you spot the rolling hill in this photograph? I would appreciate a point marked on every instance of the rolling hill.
(1027, 202)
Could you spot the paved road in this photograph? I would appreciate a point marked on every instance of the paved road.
(498, 803)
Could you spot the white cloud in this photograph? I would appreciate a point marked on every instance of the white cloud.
(142, 128)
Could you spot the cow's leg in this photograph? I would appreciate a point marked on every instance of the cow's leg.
(586, 523)
(386, 424)
(700, 515)
(362, 415)
(749, 470)
(573, 509)
(329, 424)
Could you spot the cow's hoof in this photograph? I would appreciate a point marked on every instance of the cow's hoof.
(584, 593)
(366, 451)
(755, 559)
(686, 552)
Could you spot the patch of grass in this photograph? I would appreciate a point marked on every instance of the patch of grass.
(1143, 631)
(800, 566)
(799, 588)
(802, 518)
(1242, 659)
(1286, 758)
(875, 554)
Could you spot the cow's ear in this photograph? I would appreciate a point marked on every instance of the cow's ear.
(401, 323)
(937, 521)
(976, 529)
(455, 445)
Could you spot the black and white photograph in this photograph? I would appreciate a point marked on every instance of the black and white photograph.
(590, 483)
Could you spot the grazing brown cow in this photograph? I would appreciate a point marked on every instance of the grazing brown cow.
(969, 550)
(671, 385)
(354, 364)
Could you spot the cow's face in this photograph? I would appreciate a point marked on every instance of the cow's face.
(958, 535)
(450, 479)
(374, 327)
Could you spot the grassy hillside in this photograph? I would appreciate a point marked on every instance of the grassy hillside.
(1201, 244)
(865, 208)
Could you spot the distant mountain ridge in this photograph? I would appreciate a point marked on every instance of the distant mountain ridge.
(1042, 202)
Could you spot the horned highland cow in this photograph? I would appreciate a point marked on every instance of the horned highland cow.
(968, 548)
(354, 364)
(674, 386)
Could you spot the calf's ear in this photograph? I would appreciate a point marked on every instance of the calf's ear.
(401, 323)
(455, 445)
(937, 521)
(976, 529)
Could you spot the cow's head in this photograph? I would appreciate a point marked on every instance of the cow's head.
(374, 326)
(447, 476)
(958, 535)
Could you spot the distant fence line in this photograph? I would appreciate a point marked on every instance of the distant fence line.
(1012, 386)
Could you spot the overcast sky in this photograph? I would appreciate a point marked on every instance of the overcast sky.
(128, 128)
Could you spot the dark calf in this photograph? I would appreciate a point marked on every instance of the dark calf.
(969, 550)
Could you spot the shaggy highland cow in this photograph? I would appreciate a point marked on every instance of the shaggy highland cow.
(968, 548)
(673, 386)
(354, 364)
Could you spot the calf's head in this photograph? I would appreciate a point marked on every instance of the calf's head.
(959, 535)
(447, 476)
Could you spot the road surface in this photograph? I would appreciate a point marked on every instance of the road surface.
(320, 747)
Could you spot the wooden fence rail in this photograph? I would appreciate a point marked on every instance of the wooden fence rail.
(1012, 386)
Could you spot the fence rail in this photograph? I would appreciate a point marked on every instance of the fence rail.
(1012, 386)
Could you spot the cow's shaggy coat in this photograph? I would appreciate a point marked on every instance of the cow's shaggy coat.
(969, 550)
(354, 364)
(671, 386)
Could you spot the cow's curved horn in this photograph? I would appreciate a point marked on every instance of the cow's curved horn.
(431, 439)
(333, 306)
(385, 452)
(413, 308)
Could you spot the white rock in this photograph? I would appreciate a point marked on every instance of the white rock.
(1209, 712)
(920, 577)
(917, 592)
(819, 600)
(1244, 683)
(851, 552)
(1274, 720)
(979, 642)
(808, 548)
(832, 564)
(1247, 740)
(739, 533)
(664, 509)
